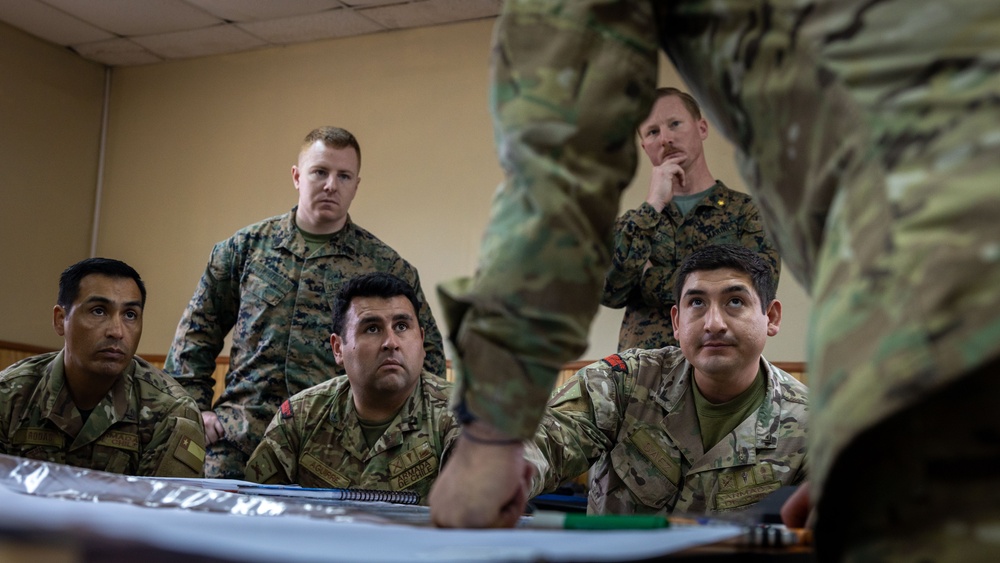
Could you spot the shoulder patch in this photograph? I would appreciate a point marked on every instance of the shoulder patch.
(616, 363)
(286, 409)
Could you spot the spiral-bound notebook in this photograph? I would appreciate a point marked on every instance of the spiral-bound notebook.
(250, 488)
(372, 495)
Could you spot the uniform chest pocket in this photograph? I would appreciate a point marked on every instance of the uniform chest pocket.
(265, 284)
(647, 469)
(42, 453)
(724, 235)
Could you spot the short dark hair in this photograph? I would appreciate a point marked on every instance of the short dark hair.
(333, 137)
(374, 284)
(740, 258)
(689, 102)
(69, 281)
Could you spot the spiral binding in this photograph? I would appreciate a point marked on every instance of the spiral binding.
(372, 495)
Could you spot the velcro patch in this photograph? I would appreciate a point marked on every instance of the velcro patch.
(656, 455)
(412, 466)
(190, 453)
(260, 469)
(616, 363)
(286, 409)
(744, 496)
(39, 437)
(120, 440)
(570, 391)
(324, 472)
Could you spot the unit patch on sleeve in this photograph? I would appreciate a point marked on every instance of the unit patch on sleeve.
(616, 362)
(190, 453)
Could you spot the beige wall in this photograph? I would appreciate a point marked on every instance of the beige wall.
(200, 148)
(50, 118)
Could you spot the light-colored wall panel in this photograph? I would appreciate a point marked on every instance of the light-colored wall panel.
(199, 148)
(50, 118)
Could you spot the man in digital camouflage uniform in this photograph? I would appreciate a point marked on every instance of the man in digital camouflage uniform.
(386, 425)
(272, 284)
(685, 208)
(94, 404)
(868, 132)
(710, 427)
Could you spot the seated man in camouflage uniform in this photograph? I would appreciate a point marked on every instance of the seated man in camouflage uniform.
(386, 424)
(708, 427)
(94, 404)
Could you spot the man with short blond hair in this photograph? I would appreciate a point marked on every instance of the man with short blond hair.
(271, 284)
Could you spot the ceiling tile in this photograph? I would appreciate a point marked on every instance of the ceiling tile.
(49, 23)
(224, 38)
(258, 10)
(431, 12)
(134, 17)
(325, 25)
(116, 52)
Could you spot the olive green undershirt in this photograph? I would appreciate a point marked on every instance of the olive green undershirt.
(373, 430)
(314, 241)
(717, 420)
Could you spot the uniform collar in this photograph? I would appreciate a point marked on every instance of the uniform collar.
(57, 403)
(289, 238)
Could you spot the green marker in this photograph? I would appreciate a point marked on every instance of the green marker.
(564, 521)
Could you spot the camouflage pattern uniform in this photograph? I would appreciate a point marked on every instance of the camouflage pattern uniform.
(868, 132)
(316, 440)
(278, 302)
(146, 425)
(633, 414)
(723, 216)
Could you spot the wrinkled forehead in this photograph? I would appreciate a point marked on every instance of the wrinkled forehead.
(718, 282)
(108, 288)
(380, 308)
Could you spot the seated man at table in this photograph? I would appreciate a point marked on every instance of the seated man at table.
(705, 428)
(386, 424)
(95, 404)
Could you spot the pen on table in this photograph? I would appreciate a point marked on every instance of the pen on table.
(569, 521)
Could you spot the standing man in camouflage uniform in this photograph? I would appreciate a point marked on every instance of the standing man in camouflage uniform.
(685, 208)
(384, 426)
(868, 132)
(272, 284)
(708, 427)
(95, 404)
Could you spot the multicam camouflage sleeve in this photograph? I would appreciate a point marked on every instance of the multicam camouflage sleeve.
(546, 250)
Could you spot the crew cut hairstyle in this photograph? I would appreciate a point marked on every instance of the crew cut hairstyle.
(689, 102)
(69, 281)
(374, 284)
(740, 258)
(334, 137)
